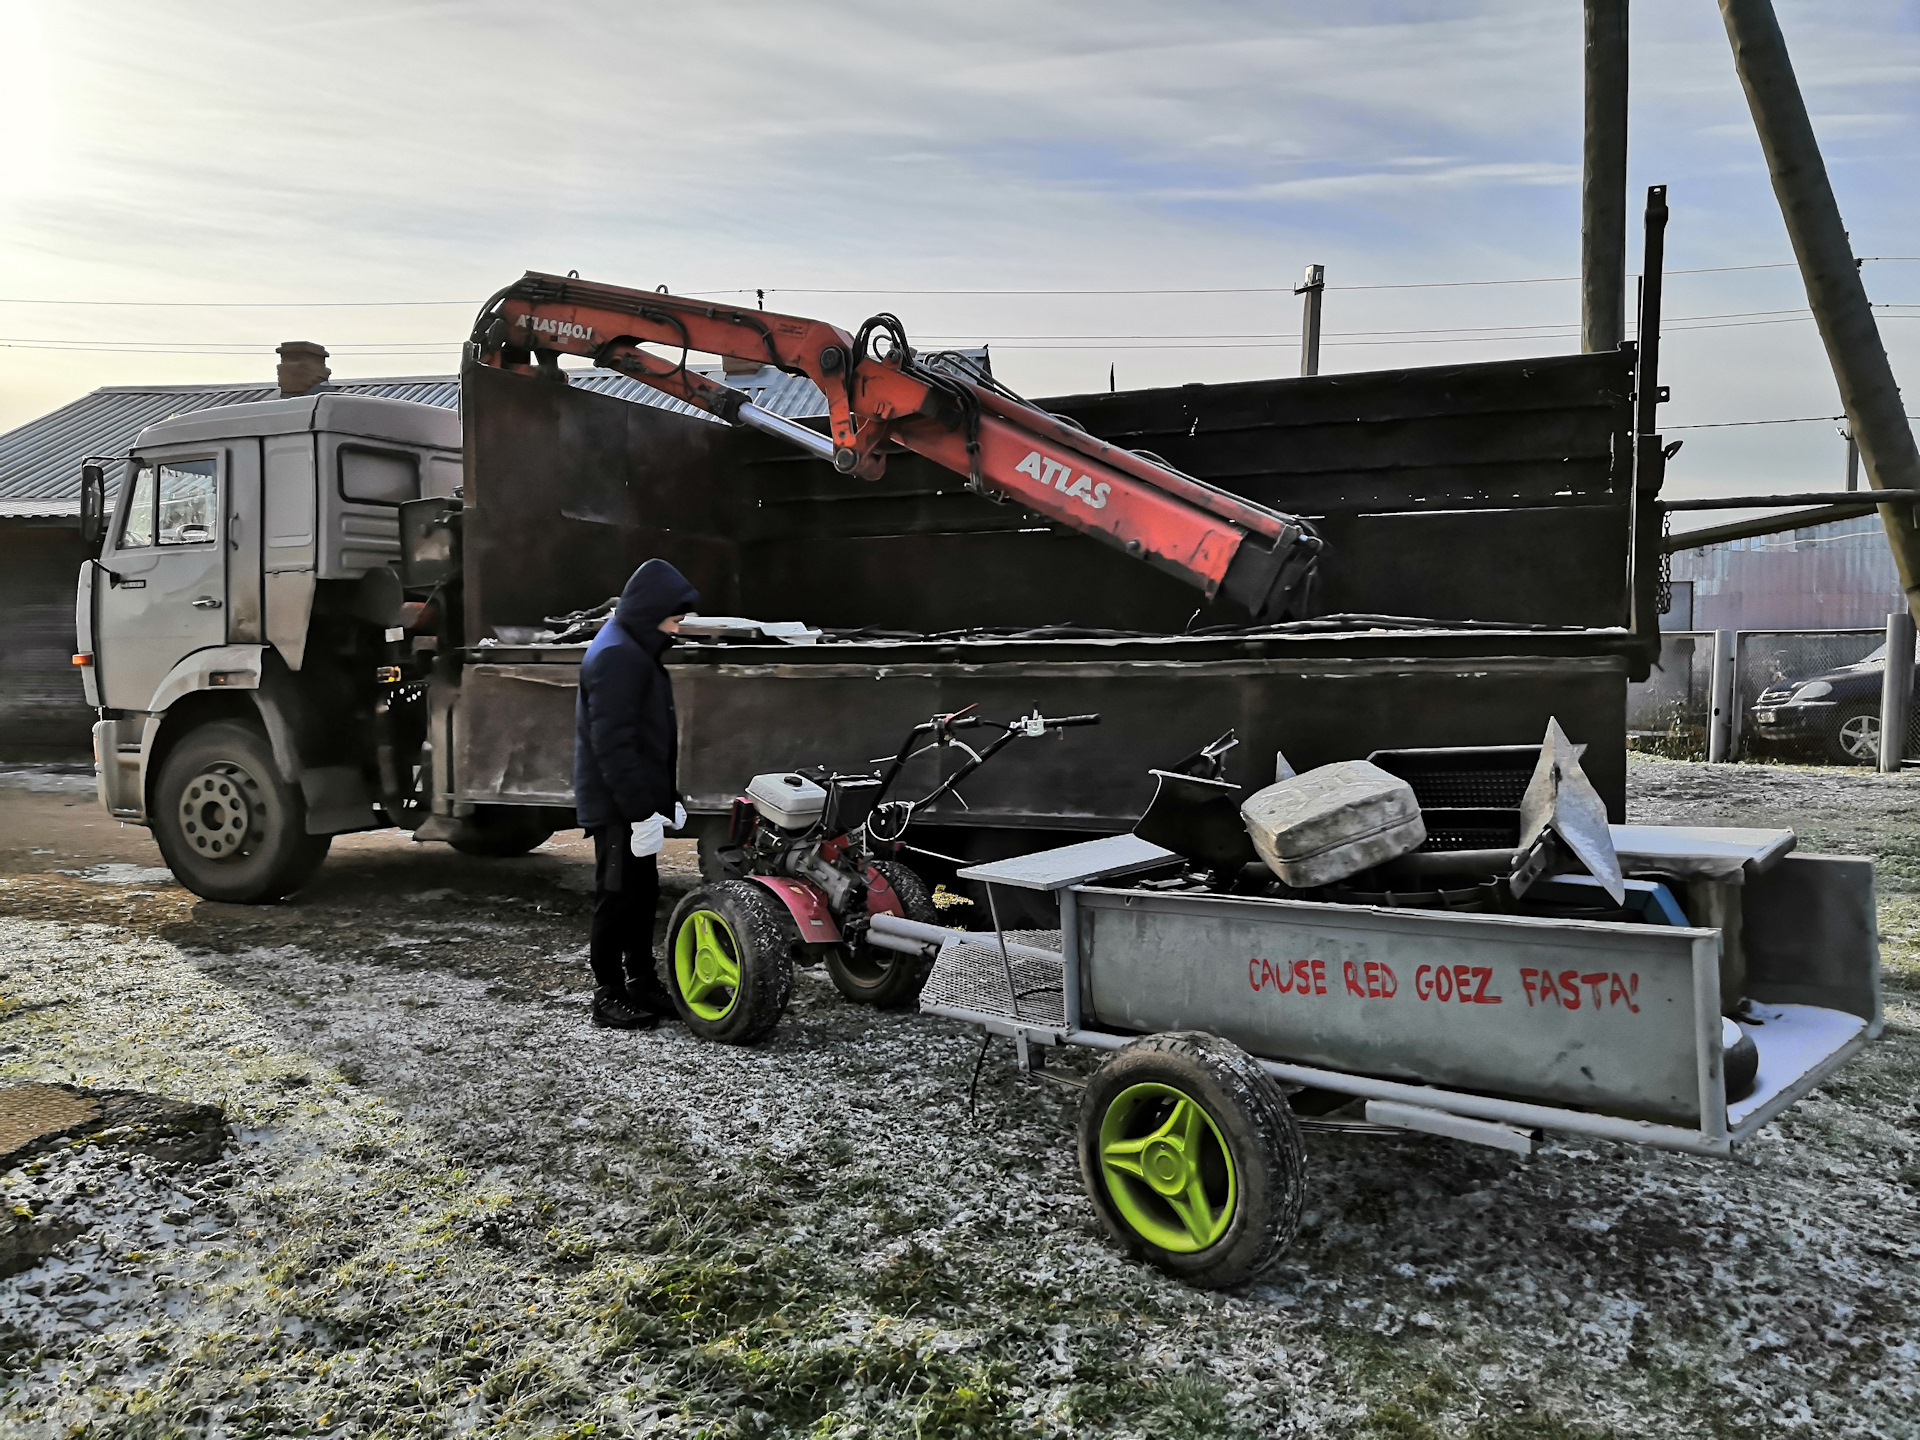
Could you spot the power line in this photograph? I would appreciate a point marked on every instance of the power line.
(1259, 289)
(887, 290)
(1545, 330)
(1737, 424)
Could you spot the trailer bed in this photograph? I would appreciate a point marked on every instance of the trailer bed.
(1511, 1023)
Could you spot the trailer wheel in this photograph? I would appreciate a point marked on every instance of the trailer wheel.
(499, 832)
(870, 975)
(730, 961)
(229, 827)
(1192, 1158)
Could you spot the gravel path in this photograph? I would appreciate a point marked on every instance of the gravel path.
(452, 1207)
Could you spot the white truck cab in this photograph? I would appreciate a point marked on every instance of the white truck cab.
(243, 603)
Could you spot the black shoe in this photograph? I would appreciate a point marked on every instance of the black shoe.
(613, 1010)
(646, 990)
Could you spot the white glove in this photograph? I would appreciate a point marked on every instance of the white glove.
(649, 836)
(679, 817)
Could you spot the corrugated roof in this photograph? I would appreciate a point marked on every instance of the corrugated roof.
(40, 460)
(1840, 574)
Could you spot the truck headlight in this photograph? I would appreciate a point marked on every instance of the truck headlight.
(1813, 690)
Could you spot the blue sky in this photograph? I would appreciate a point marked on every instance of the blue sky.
(269, 154)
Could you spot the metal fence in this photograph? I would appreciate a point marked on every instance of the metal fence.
(1671, 710)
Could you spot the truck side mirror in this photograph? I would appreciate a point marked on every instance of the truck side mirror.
(93, 505)
(429, 542)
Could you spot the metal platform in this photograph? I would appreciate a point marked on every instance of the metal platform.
(970, 979)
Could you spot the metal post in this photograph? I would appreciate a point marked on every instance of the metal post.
(1726, 650)
(1603, 180)
(1853, 459)
(1649, 454)
(1314, 286)
(1006, 960)
(1868, 393)
(1896, 691)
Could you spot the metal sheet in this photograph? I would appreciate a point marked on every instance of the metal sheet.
(1812, 935)
(1072, 864)
(846, 705)
(1494, 491)
(513, 734)
(1700, 851)
(1597, 1015)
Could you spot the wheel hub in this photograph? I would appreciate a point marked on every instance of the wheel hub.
(705, 965)
(1174, 1184)
(221, 812)
(1165, 1166)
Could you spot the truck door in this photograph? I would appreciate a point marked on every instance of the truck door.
(161, 591)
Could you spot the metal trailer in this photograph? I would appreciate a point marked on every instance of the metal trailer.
(1487, 1028)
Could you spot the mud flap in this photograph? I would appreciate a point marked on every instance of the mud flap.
(337, 800)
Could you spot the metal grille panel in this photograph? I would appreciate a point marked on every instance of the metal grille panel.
(970, 976)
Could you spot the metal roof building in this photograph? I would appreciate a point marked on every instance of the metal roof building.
(40, 460)
(1833, 576)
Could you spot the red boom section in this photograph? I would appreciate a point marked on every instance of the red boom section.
(1185, 526)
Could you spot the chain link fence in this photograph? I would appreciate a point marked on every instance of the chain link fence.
(1668, 713)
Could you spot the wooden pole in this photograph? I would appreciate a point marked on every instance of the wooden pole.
(1876, 416)
(1603, 180)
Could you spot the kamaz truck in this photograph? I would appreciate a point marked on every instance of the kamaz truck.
(331, 613)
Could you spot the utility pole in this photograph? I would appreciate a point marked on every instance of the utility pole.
(1603, 180)
(1314, 286)
(1853, 459)
(1876, 417)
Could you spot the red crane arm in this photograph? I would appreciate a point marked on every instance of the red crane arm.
(1006, 447)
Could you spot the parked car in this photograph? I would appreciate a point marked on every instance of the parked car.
(1836, 713)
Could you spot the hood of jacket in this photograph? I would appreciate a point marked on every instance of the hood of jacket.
(656, 591)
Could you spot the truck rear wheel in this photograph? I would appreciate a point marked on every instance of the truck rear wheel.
(229, 827)
(869, 975)
(730, 961)
(1192, 1158)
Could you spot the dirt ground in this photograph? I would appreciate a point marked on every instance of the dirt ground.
(449, 1206)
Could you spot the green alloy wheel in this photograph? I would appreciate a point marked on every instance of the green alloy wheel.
(1167, 1168)
(1192, 1158)
(730, 950)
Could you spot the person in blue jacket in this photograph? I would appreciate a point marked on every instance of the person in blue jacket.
(624, 754)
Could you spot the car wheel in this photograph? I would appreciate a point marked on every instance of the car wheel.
(1855, 737)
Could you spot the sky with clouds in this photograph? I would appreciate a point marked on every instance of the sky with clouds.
(860, 155)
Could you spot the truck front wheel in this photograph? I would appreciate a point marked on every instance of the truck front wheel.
(229, 827)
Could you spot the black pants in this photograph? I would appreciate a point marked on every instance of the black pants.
(626, 893)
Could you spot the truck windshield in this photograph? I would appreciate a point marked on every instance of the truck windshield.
(137, 532)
